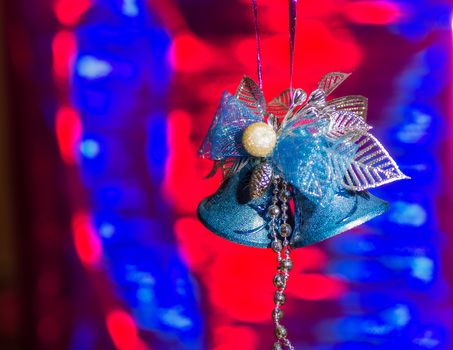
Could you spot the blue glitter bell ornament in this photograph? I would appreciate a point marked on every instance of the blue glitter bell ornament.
(233, 214)
(316, 153)
(315, 223)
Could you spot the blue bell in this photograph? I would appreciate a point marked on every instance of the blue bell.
(315, 223)
(231, 214)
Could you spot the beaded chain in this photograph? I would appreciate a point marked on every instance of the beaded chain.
(278, 211)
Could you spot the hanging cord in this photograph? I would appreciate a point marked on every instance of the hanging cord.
(278, 212)
(292, 40)
(259, 67)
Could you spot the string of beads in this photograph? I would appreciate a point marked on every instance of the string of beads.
(280, 230)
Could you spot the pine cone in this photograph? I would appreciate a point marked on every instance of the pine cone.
(260, 180)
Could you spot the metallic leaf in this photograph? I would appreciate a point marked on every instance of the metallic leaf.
(317, 99)
(280, 105)
(331, 81)
(355, 104)
(229, 167)
(299, 97)
(218, 164)
(343, 123)
(249, 93)
(224, 165)
(372, 166)
(235, 167)
(273, 121)
(341, 155)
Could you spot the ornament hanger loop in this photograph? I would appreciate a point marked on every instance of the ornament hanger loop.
(292, 40)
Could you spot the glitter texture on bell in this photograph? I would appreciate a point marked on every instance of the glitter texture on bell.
(315, 223)
(232, 214)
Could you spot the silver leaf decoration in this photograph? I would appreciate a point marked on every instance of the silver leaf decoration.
(331, 81)
(235, 167)
(273, 121)
(280, 105)
(355, 104)
(229, 167)
(372, 166)
(340, 156)
(299, 97)
(343, 123)
(250, 94)
(317, 99)
(223, 165)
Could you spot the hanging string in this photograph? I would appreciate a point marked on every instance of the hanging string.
(292, 40)
(281, 231)
(259, 68)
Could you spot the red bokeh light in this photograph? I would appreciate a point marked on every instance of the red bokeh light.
(196, 244)
(227, 338)
(315, 287)
(315, 47)
(68, 129)
(185, 185)
(189, 53)
(240, 283)
(309, 258)
(373, 12)
(68, 12)
(86, 241)
(123, 330)
(64, 47)
(223, 266)
(226, 265)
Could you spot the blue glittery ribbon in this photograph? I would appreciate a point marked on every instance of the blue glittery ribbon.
(303, 154)
(322, 147)
(224, 138)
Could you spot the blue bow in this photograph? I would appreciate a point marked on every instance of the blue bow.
(322, 146)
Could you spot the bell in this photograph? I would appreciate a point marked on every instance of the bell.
(231, 214)
(315, 223)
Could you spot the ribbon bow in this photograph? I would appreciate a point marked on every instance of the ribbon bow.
(320, 146)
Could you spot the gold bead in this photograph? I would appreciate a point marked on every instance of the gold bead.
(259, 139)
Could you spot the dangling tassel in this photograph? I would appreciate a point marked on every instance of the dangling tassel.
(280, 230)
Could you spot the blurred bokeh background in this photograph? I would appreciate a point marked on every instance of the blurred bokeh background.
(103, 104)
